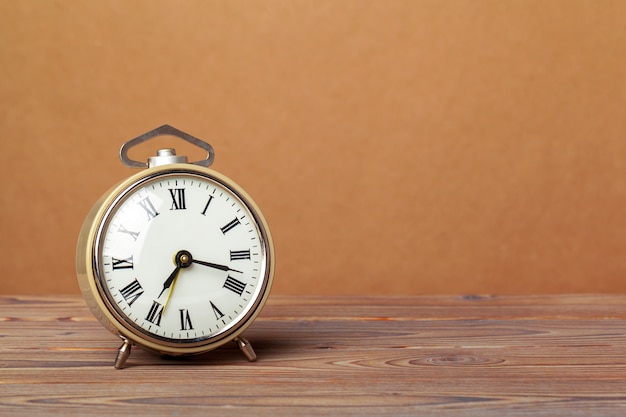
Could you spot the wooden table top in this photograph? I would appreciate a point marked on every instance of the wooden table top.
(444, 356)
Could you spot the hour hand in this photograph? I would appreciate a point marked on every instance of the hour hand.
(169, 280)
(216, 266)
(182, 260)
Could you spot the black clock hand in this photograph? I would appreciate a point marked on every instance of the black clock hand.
(169, 294)
(170, 279)
(182, 260)
(216, 266)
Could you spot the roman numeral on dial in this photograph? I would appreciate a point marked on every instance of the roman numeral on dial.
(155, 313)
(126, 263)
(239, 254)
(235, 285)
(178, 199)
(147, 205)
(185, 320)
(228, 227)
(216, 311)
(206, 207)
(132, 292)
(132, 234)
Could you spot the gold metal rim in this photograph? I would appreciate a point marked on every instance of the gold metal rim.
(95, 296)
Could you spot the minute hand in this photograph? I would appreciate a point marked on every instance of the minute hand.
(216, 266)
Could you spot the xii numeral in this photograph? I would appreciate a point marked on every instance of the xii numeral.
(178, 199)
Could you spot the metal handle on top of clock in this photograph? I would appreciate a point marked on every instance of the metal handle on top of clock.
(161, 131)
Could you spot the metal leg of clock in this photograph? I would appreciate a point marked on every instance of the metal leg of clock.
(123, 353)
(246, 348)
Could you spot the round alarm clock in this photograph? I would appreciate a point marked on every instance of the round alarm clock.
(176, 259)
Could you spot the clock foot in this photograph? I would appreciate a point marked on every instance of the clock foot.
(123, 354)
(246, 348)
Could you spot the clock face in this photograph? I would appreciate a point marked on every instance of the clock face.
(181, 258)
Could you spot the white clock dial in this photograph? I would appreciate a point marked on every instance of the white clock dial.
(181, 257)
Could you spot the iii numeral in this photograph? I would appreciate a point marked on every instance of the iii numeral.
(230, 225)
(154, 315)
(126, 263)
(239, 254)
(235, 285)
(131, 292)
(178, 199)
(185, 320)
(147, 205)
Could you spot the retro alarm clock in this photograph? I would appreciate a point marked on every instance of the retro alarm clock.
(177, 259)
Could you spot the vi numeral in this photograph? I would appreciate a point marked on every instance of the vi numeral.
(185, 319)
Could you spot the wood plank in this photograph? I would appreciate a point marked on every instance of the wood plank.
(457, 356)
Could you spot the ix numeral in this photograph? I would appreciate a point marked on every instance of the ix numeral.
(126, 263)
(178, 199)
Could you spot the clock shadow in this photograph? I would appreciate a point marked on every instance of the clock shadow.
(264, 346)
(271, 340)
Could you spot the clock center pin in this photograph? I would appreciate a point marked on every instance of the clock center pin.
(183, 259)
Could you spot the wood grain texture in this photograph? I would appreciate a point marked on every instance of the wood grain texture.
(444, 356)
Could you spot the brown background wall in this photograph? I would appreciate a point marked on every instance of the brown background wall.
(395, 146)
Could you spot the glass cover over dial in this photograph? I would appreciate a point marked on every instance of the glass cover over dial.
(181, 257)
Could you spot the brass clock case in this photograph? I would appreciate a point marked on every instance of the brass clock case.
(97, 295)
